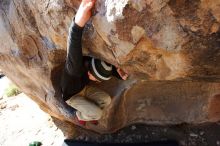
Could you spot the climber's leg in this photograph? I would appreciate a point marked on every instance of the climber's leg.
(86, 110)
(98, 96)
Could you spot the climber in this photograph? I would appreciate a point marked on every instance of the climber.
(87, 101)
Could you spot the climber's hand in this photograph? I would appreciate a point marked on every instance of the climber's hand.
(122, 73)
(84, 12)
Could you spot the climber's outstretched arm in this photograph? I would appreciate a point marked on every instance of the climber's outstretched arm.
(74, 62)
(74, 76)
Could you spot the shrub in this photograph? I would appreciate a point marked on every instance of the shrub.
(12, 90)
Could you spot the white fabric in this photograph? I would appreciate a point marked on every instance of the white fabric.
(106, 67)
(97, 73)
(92, 109)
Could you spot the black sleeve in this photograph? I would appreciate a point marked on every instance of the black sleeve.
(74, 60)
(74, 76)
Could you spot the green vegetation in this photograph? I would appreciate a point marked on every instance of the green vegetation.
(12, 90)
(35, 143)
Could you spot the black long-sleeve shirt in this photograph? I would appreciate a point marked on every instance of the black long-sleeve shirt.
(75, 77)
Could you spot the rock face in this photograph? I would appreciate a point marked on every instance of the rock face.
(170, 48)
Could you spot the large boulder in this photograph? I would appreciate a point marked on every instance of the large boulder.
(170, 48)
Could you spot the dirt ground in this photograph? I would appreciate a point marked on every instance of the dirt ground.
(21, 122)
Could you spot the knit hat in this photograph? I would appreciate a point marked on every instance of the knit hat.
(101, 70)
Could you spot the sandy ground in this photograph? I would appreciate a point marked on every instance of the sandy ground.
(22, 121)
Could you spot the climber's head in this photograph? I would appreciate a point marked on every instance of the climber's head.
(99, 70)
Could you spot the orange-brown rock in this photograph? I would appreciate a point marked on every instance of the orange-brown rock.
(170, 48)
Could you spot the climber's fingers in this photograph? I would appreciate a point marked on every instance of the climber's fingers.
(84, 12)
(88, 4)
(122, 73)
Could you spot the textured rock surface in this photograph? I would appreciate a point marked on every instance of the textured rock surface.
(171, 49)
